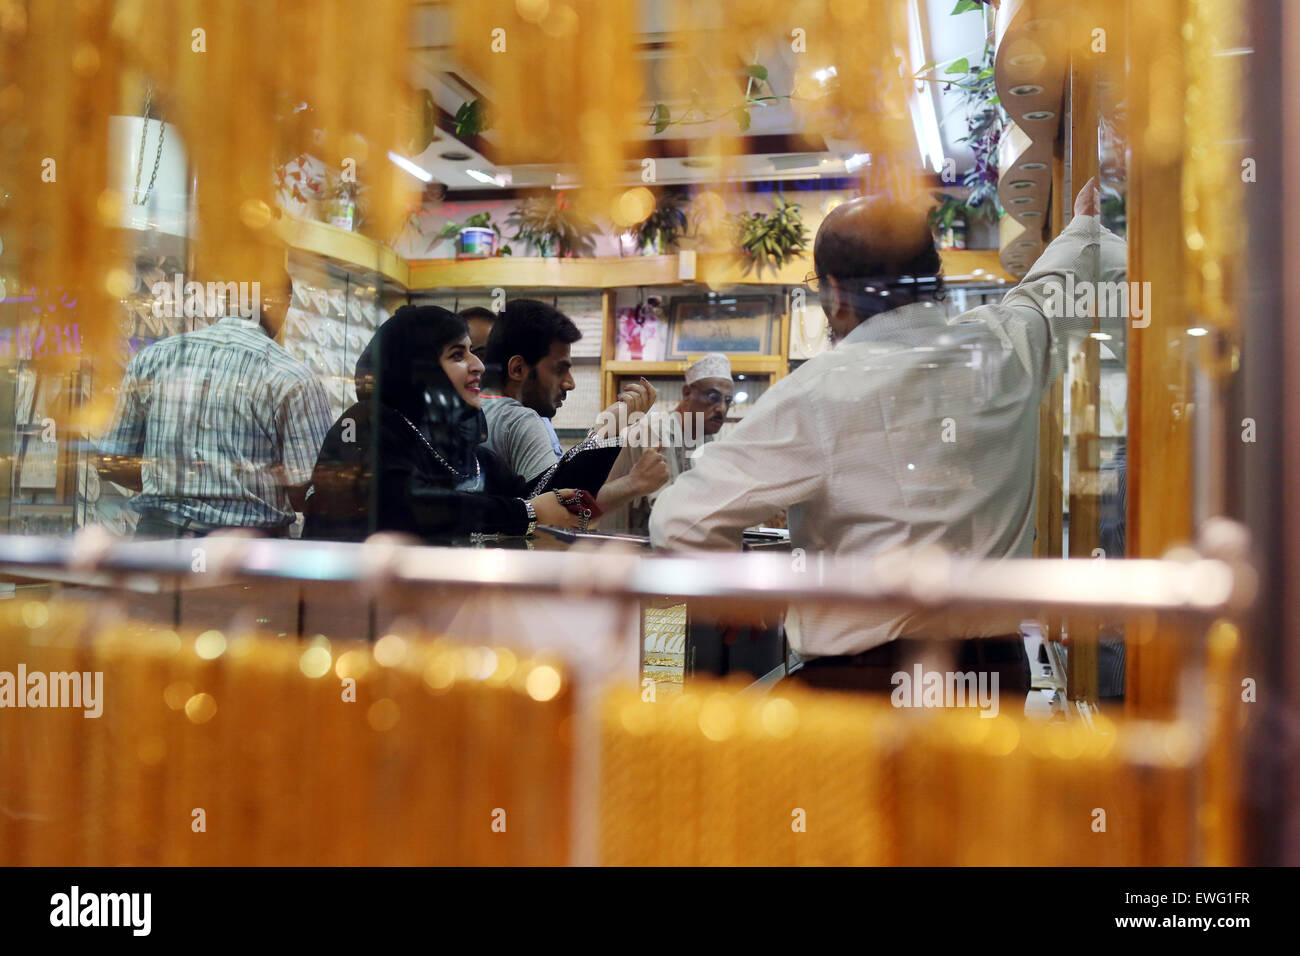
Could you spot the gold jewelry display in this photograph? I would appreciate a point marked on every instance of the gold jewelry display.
(257, 734)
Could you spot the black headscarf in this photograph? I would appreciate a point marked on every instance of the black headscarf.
(402, 363)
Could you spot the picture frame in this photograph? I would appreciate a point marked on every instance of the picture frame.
(730, 324)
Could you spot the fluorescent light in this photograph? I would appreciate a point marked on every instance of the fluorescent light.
(1198, 331)
(856, 162)
(423, 175)
(925, 121)
(481, 176)
(1100, 336)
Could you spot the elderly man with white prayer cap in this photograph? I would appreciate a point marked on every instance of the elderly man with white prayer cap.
(660, 448)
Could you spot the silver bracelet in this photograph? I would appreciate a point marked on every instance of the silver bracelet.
(532, 517)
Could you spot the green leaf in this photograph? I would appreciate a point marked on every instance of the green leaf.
(963, 6)
(959, 66)
(757, 71)
(660, 117)
(742, 120)
(469, 120)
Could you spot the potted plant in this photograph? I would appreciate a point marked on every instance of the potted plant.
(552, 226)
(478, 237)
(770, 238)
(948, 221)
(664, 228)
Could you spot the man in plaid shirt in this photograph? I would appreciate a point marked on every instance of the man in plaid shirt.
(218, 428)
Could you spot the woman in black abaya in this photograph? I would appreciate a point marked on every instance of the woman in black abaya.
(408, 456)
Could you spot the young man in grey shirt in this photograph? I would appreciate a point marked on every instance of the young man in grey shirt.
(529, 373)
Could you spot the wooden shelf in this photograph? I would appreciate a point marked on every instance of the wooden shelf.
(353, 251)
(611, 272)
(743, 365)
(506, 272)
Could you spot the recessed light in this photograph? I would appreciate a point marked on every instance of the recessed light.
(418, 172)
(454, 156)
(1032, 214)
(1026, 89)
(1031, 167)
(1020, 200)
(1039, 115)
(1021, 184)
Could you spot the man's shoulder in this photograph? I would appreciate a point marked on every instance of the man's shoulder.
(510, 412)
(291, 370)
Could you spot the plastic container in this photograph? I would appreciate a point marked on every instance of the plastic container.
(476, 242)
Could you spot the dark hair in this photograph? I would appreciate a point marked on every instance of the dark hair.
(403, 352)
(526, 327)
(478, 312)
(866, 275)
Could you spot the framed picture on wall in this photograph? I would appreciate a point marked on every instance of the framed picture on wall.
(734, 324)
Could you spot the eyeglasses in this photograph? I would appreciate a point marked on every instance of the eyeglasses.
(714, 397)
(813, 281)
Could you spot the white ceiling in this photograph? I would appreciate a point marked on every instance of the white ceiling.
(433, 64)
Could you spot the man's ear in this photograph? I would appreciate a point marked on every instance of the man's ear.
(516, 368)
(831, 298)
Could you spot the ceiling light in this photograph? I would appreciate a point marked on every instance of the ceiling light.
(454, 155)
(925, 120)
(1198, 331)
(1026, 89)
(483, 177)
(1101, 336)
(1021, 184)
(1030, 167)
(423, 175)
(856, 162)
(822, 76)
(1039, 115)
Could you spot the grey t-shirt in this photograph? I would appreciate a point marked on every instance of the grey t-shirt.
(518, 436)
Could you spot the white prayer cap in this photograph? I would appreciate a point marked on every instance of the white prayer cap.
(713, 365)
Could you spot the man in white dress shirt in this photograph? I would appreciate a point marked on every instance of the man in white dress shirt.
(914, 430)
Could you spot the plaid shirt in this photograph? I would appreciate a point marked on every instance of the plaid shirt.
(223, 419)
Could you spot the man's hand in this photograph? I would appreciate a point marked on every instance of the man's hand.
(1088, 202)
(636, 397)
(551, 512)
(639, 396)
(650, 473)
